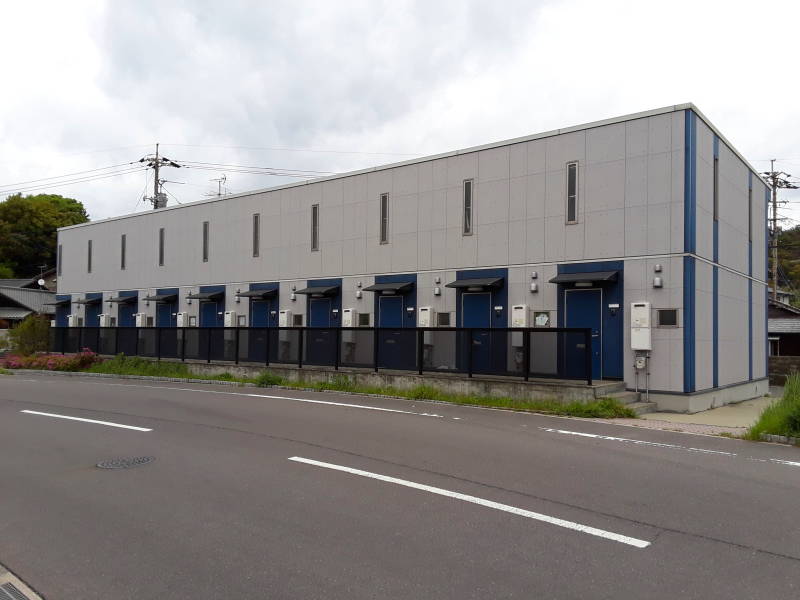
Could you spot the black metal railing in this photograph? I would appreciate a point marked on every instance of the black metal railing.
(556, 352)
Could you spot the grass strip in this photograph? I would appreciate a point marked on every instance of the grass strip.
(605, 408)
(781, 417)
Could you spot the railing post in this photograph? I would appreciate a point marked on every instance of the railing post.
(116, 341)
(208, 344)
(80, 338)
(183, 344)
(375, 344)
(300, 336)
(63, 340)
(526, 352)
(587, 337)
(338, 338)
(470, 343)
(420, 349)
(158, 344)
(136, 346)
(268, 330)
(236, 352)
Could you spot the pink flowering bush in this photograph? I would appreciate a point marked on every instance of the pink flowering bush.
(52, 362)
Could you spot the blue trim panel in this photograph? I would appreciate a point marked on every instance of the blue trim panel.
(715, 326)
(750, 330)
(688, 323)
(716, 191)
(690, 182)
(613, 293)
(409, 298)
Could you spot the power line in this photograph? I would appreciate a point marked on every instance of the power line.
(777, 180)
(65, 175)
(56, 184)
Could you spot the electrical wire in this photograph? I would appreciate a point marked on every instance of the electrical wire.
(201, 163)
(73, 181)
(18, 183)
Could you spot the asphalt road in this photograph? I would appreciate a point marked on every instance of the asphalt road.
(258, 493)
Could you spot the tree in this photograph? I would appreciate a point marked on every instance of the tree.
(28, 230)
(30, 336)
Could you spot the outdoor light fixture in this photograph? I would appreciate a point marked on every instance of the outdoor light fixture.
(358, 285)
(410, 310)
(273, 312)
(583, 284)
(658, 282)
(657, 268)
(335, 313)
(358, 292)
(238, 299)
(437, 291)
(534, 275)
(534, 287)
(437, 280)
(498, 310)
(292, 296)
(294, 288)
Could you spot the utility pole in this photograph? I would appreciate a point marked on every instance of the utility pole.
(159, 199)
(776, 179)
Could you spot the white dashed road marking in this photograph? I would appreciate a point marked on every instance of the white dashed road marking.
(67, 417)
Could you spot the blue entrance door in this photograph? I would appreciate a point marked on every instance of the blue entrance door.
(93, 315)
(259, 313)
(209, 314)
(397, 345)
(165, 315)
(125, 314)
(476, 311)
(584, 308)
(320, 344)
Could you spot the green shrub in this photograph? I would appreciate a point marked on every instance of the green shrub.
(267, 379)
(783, 416)
(32, 335)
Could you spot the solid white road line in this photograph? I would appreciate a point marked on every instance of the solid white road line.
(608, 535)
(637, 442)
(306, 400)
(109, 423)
(776, 461)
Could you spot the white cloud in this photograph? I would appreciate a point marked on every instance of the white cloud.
(404, 77)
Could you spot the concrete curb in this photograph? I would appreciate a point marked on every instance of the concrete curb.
(779, 439)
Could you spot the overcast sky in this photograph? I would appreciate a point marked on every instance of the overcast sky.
(335, 86)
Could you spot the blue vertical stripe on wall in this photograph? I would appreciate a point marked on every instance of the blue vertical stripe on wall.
(715, 276)
(688, 324)
(689, 243)
(750, 282)
(690, 182)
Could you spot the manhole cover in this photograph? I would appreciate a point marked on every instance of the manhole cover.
(125, 463)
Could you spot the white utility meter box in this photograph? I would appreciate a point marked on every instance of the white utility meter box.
(641, 338)
(349, 317)
(519, 315)
(229, 319)
(285, 318)
(182, 319)
(426, 317)
(141, 319)
(73, 321)
(105, 320)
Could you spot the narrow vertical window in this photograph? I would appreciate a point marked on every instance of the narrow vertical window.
(59, 259)
(205, 241)
(467, 229)
(89, 257)
(716, 188)
(572, 192)
(384, 219)
(315, 227)
(256, 233)
(122, 244)
(750, 214)
(161, 235)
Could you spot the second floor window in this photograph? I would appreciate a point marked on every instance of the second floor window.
(205, 241)
(468, 204)
(315, 227)
(161, 235)
(122, 248)
(384, 219)
(572, 192)
(256, 233)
